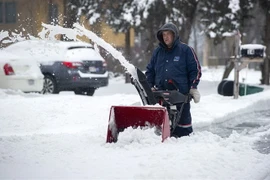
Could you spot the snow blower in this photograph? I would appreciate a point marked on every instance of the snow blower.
(158, 110)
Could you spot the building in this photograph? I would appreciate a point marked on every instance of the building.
(25, 18)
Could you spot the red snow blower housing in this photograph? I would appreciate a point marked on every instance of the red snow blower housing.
(163, 117)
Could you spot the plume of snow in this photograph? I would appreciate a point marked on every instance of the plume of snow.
(50, 32)
(234, 6)
(116, 54)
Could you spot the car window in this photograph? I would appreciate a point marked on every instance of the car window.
(79, 47)
(83, 54)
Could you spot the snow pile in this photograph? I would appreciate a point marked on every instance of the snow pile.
(63, 136)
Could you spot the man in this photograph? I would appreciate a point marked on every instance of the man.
(175, 61)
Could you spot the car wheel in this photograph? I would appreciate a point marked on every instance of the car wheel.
(49, 86)
(88, 92)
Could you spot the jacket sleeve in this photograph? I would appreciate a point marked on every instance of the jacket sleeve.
(150, 70)
(194, 68)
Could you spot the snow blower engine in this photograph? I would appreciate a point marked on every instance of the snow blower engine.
(164, 117)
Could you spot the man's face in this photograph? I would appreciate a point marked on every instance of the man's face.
(168, 38)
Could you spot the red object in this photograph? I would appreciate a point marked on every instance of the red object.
(8, 69)
(122, 117)
(72, 65)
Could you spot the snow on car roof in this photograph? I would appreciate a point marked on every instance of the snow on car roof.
(63, 44)
(7, 55)
(45, 50)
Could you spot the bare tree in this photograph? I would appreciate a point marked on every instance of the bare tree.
(265, 5)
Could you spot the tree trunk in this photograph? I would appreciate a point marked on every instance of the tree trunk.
(71, 14)
(127, 52)
(267, 43)
(206, 51)
(151, 41)
(265, 6)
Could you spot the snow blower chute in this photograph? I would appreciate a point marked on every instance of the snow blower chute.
(164, 118)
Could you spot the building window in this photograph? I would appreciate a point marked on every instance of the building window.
(53, 14)
(8, 12)
(1, 13)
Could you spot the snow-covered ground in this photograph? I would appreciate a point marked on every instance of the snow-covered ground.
(63, 137)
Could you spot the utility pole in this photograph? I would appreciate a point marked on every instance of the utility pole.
(237, 63)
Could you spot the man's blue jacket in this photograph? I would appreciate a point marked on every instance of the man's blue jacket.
(178, 64)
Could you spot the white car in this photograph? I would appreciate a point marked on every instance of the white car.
(18, 73)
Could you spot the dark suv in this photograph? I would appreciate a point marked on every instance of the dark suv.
(66, 66)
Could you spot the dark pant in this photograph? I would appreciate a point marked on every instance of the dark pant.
(184, 127)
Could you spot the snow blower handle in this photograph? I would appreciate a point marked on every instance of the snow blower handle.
(187, 97)
(173, 83)
(154, 88)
